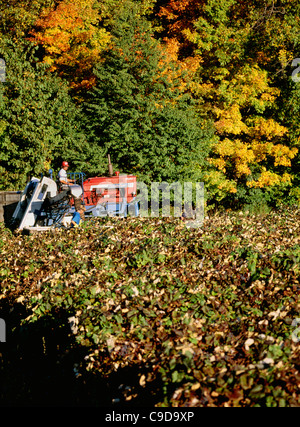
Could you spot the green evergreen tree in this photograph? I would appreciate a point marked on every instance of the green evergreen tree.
(139, 112)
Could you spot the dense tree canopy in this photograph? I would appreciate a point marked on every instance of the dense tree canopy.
(151, 87)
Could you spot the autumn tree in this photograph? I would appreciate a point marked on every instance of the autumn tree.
(236, 86)
(71, 38)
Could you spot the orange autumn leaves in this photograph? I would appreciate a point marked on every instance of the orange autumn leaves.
(72, 40)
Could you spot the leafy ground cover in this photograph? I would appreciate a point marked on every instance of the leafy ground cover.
(150, 311)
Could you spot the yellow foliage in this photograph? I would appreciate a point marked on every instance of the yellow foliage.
(242, 169)
(269, 179)
(260, 127)
(225, 147)
(261, 150)
(247, 140)
(249, 87)
(283, 155)
(233, 152)
(219, 164)
(230, 120)
(285, 57)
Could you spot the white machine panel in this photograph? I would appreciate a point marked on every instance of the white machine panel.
(44, 186)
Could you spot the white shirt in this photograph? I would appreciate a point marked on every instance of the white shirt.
(62, 175)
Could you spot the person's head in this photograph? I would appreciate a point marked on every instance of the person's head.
(81, 209)
(65, 165)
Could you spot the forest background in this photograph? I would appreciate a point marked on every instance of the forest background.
(173, 90)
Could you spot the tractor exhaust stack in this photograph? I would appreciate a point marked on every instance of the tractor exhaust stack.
(110, 168)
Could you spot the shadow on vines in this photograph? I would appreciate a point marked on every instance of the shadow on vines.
(38, 368)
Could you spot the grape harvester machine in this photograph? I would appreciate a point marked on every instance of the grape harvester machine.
(44, 206)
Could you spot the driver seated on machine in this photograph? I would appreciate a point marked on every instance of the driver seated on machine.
(62, 178)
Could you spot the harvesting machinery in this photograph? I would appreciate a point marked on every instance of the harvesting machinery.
(44, 206)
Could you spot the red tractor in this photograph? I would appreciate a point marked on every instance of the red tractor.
(112, 195)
